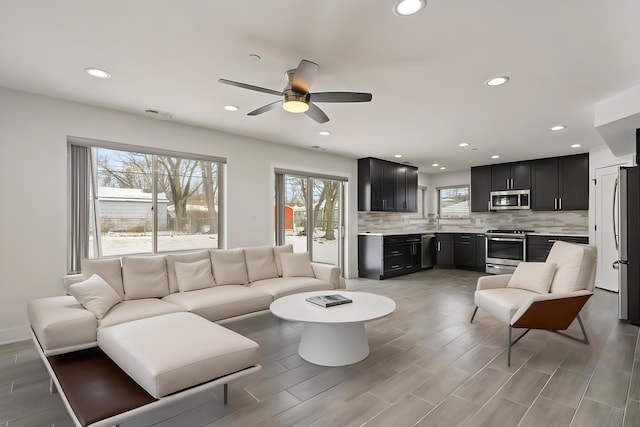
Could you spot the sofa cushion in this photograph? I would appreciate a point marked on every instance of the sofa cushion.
(136, 309)
(575, 265)
(144, 277)
(222, 302)
(194, 275)
(533, 276)
(261, 263)
(61, 323)
(502, 303)
(277, 250)
(186, 257)
(95, 295)
(296, 265)
(291, 285)
(180, 360)
(229, 267)
(107, 268)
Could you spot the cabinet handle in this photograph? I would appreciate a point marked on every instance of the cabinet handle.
(560, 203)
(553, 240)
(395, 266)
(438, 246)
(507, 184)
(555, 203)
(488, 205)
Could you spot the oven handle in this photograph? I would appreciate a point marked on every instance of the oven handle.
(504, 239)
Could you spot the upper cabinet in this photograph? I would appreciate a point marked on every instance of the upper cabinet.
(556, 183)
(387, 186)
(511, 176)
(481, 188)
(561, 183)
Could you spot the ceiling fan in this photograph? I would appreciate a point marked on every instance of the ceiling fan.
(296, 97)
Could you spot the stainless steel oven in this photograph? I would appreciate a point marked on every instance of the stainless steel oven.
(505, 250)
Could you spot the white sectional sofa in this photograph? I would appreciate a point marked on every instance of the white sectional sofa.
(241, 282)
(131, 337)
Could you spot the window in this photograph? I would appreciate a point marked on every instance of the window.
(127, 200)
(305, 202)
(453, 202)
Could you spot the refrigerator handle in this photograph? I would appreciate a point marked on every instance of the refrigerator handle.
(613, 208)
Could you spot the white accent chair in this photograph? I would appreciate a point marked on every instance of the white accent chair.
(539, 295)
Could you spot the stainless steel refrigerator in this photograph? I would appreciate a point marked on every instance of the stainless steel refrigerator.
(628, 263)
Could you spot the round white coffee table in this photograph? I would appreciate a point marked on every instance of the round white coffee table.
(333, 336)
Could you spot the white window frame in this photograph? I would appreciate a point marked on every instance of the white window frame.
(82, 173)
(464, 216)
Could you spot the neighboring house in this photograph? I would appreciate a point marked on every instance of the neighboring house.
(129, 209)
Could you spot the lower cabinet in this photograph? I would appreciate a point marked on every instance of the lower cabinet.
(445, 250)
(461, 250)
(381, 257)
(538, 246)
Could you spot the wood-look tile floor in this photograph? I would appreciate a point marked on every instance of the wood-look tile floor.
(428, 367)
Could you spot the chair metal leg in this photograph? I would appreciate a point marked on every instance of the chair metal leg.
(474, 314)
(585, 340)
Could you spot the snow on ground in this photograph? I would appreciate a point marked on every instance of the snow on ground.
(325, 251)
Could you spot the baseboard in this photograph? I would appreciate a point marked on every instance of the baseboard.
(11, 335)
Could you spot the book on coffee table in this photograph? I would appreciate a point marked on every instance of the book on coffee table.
(329, 300)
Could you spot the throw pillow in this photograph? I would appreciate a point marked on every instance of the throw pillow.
(95, 295)
(533, 276)
(192, 276)
(229, 267)
(185, 258)
(145, 277)
(107, 268)
(261, 264)
(296, 265)
(277, 250)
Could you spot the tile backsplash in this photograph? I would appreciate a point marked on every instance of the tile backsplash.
(553, 222)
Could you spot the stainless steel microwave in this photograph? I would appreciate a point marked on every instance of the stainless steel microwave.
(510, 199)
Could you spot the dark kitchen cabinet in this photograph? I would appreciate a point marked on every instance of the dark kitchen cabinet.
(381, 257)
(464, 250)
(511, 176)
(481, 188)
(406, 189)
(538, 246)
(445, 250)
(387, 186)
(561, 183)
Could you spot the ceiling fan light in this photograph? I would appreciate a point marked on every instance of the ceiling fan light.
(295, 106)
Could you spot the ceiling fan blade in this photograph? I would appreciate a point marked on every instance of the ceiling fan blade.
(304, 76)
(316, 114)
(250, 87)
(340, 97)
(265, 108)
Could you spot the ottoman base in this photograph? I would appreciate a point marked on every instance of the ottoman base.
(168, 353)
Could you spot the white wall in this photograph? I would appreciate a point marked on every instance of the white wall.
(33, 180)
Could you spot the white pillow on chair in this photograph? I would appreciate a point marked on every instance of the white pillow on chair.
(533, 276)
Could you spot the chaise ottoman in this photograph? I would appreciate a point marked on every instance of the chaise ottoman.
(172, 352)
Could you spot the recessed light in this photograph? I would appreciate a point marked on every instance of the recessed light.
(231, 108)
(435, 165)
(97, 72)
(398, 156)
(495, 156)
(497, 81)
(409, 7)
(576, 145)
(558, 127)
(324, 133)
(442, 168)
(463, 144)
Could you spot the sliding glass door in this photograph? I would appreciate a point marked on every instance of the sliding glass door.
(309, 215)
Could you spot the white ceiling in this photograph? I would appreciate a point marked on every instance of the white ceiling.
(425, 72)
